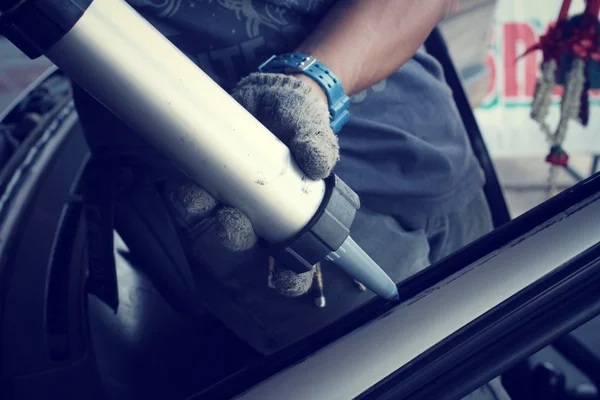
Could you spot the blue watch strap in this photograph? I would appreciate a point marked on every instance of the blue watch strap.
(293, 63)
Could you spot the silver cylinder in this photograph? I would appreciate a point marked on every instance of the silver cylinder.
(138, 74)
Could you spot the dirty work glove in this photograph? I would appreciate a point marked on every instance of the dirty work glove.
(294, 112)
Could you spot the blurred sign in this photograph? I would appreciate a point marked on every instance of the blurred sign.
(504, 115)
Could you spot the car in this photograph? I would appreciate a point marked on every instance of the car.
(461, 322)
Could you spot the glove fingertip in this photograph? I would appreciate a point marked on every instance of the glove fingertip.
(289, 283)
(235, 230)
(192, 201)
(316, 153)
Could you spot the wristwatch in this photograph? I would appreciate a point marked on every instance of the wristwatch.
(294, 63)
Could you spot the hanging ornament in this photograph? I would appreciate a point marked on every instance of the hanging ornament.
(571, 59)
(557, 157)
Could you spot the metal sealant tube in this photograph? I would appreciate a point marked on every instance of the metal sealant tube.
(179, 109)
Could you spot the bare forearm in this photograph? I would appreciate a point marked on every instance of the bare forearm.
(364, 41)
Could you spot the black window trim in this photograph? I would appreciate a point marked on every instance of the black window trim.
(269, 366)
(520, 327)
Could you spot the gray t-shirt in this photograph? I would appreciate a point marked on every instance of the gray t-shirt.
(404, 150)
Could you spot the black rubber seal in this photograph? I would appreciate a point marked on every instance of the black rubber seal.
(34, 26)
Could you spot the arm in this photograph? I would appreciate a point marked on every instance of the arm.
(365, 41)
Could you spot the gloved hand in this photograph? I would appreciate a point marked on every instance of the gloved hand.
(291, 109)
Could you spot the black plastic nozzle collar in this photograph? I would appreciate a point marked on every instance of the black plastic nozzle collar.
(34, 26)
(325, 232)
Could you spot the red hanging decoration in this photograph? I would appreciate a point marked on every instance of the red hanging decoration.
(582, 43)
(557, 157)
(570, 53)
(551, 43)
